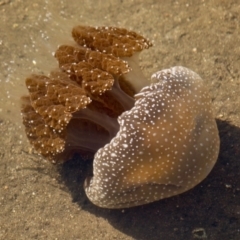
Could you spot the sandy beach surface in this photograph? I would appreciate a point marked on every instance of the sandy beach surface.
(39, 200)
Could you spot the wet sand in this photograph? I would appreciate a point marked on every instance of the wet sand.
(41, 201)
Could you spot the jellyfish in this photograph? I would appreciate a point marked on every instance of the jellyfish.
(148, 140)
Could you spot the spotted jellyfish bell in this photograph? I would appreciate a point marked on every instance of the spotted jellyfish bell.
(167, 144)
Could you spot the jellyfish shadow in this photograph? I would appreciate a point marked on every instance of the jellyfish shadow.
(210, 210)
